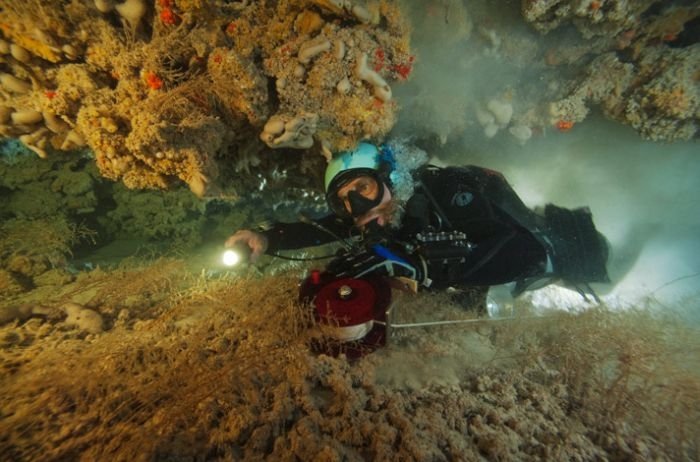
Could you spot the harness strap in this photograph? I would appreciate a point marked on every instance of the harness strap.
(438, 209)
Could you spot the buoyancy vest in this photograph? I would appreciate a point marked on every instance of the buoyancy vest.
(481, 203)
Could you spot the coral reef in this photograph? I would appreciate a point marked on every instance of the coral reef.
(552, 63)
(36, 188)
(592, 18)
(645, 66)
(70, 190)
(36, 252)
(657, 95)
(45, 200)
(166, 91)
(172, 89)
(178, 217)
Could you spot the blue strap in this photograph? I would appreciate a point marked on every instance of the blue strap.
(386, 154)
(388, 254)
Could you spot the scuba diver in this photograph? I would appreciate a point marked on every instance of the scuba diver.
(461, 227)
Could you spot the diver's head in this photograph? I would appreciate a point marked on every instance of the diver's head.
(357, 184)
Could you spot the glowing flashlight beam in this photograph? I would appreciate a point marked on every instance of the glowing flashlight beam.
(231, 258)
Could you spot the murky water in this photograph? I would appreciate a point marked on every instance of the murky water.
(644, 197)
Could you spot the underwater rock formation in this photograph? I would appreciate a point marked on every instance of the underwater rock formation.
(592, 18)
(35, 253)
(169, 89)
(172, 90)
(645, 67)
(657, 95)
(518, 72)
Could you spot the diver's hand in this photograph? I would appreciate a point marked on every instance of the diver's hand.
(256, 241)
(379, 261)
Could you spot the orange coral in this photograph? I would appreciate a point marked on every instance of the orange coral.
(564, 125)
(379, 59)
(404, 69)
(168, 17)
(674, 101)
(153, 81)
(670, 37)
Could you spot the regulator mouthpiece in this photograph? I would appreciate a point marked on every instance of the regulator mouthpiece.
(239, 253)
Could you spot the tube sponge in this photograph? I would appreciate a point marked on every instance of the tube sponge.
(382, 90)
(132, 11)
(290, 132)
(312, 48)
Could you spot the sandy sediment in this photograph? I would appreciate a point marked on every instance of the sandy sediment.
(189, 367)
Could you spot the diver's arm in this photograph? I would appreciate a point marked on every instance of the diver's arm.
(290, 236)
(257, 242)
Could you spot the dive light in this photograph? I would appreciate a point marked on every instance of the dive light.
(235, 255)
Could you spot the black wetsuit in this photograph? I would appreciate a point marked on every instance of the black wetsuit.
(507, 241)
